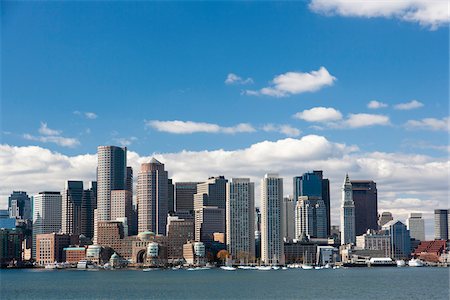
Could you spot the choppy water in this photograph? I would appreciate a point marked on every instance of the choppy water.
(356, 283)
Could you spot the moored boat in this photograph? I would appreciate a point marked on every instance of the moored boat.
(415, 263)
(228, 268)
(400, 263)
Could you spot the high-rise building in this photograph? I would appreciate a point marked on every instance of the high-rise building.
(208, 220)
(416, 226)
(111, 175)
(272, 245)
(400, 239)
(152, 197)
(313, 184)
(366, 205)
(72, 199)
(184, 196)
(19, 205)
(211, 193)
(88, 205)
(347, 214)
(384, 218)
(179, 232)
(129, 180)
(441, 224)
(289, 218)
(122, 207)
(240, 207)
(310, 218)
(170, 196)
(46, 215)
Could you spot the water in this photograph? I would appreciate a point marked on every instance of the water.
(352, 283)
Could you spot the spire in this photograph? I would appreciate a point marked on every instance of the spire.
(154, 161)
(347, 180)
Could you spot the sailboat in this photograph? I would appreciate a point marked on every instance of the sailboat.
(305, 265)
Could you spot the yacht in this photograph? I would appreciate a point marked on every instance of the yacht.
(415, 263)
(264, 268)
(307, 267)
(275, 267)
(227, 268)
(51, 266)
(400, 263)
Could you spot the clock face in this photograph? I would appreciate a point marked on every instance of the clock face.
(347, 194)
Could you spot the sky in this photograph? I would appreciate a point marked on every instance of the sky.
(231, 88)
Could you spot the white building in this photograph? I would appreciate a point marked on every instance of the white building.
(347, 214)
(373, 241)
(416, 226)
(46, 214)
(240, 226)
(289, 218)
(310, 217)
(272, 245)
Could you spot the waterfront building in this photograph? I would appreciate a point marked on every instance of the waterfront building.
(170, 196)
(19, 205)
(179, 232)
(289, 218)
(326, 255)
(441, 224)
(384, 218)
(88, 205)
(184, 196)
(240, 207)
(310, 217)
(313, 184)
(374, 241)
(46, 215)
(365, 199)
(431, 251)
(272, 245)
(74, 254)
(416, 226)
(72, 199)
(300, 252)
(152, 197)
(347, 214)
(194, 253)
(10, 246)
(400, 239)
(50, 247)
(110, 234)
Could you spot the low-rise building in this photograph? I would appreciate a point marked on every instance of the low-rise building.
(50, 247)
(374, 241)
(11, 241)
(75, 254)
(194, 253)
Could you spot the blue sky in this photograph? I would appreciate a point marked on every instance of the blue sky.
(76, 75)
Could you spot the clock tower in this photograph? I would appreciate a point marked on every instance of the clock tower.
(347, 214)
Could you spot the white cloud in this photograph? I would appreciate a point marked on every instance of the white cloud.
(235, 79)
(365, 120)
(188, 127)
(34, 169)
(284, 129)
(319, 114)
(87, 115)
(428, 13)
(47, 131)
(376, 104)
(429, 124)
(125, 141)
(55, 139)
(292, 83)
(408, 105)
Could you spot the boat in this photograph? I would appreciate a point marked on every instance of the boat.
(51, 266)
(147, 269)
(247, 268)
(400, 263)
(318, 268)
(284, 268)
(327, 266)
(264, 268)
(275, 267)
(415, 263)
(307, 267)
(82, 264)
(228, 268)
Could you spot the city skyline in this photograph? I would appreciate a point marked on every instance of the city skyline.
(314, 89)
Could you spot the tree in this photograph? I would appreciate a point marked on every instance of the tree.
(223, 255)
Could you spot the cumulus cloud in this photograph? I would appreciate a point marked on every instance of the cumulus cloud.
(319, 114)
(49, 135)
(429, 124)
(284, 129)
(408, 105)
(125, 141)
(235, 79)
(376, 104)
(189, 127)
(34, 169)
(428, 13)
(292, 83)
(365, 120)
(47, 131)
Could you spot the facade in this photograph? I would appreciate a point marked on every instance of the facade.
(46, 215)
(289, 218)
(194, 253)
(170, 196)
(385, 217)
(184, 196)
(347, 214)
(310, 217)
(152, 197)
(10, 246)
(179, 232)
(72, 199)
(400, 239)
(74, 254)
(111, 175)
(110, 234)
(122, 206)
(441, 224)
(50, 247)
(365, 198)
(272, 245)
(240, 227)
(88, 205)
(313, 184)
(300, 252)
(374, 241)
(208, 220)
(416, 226)
(19, 206)
(211, 193)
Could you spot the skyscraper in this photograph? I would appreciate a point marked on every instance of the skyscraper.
(184, 196)
(400, 239)
(19, 205)
(441, 224)
(122, 207)
(111, 175)
(272, 245)
(365, 199)
(313, 184)
(170, 196)
(72, 199)
(179, 232)
(347, 214)
(211, 193)
(289, 218)
(88, 205)
(46, 214)
(385, 217)
(240, 207)
(416, 226)
(310, 217)
(152, 197)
